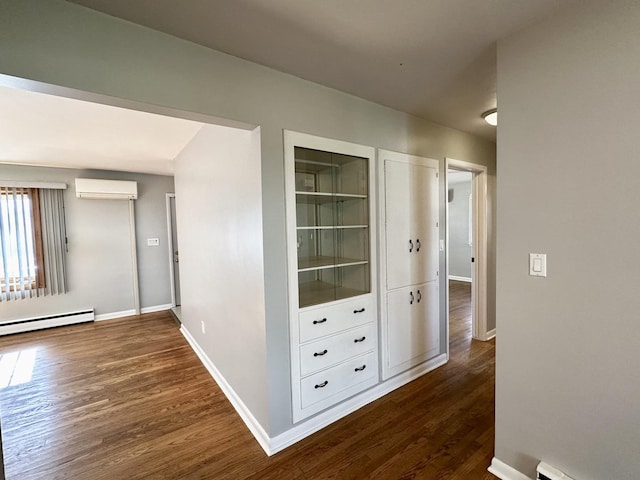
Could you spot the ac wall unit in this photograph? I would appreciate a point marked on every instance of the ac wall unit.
(106, 189)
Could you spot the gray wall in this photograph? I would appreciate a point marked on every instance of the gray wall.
(99, 258)
(459, 249)
(64, 44)
(568, 382)
(219, 214)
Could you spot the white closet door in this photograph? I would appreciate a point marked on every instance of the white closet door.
(412, 326)
(411, 210)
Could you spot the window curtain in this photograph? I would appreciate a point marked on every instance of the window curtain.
(32, 243)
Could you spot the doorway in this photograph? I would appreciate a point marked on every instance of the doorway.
(174, 256)
(466, 237)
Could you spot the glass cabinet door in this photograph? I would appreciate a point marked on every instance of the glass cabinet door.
(332, 226)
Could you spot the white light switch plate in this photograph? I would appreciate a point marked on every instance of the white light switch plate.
(538, 264)
(153, 242)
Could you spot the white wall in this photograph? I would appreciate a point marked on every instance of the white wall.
(460, 251)
(64, 44)
(568, 382)
(219, 213)
(99, 267)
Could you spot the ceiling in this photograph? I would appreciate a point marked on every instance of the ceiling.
(435, 59)
(46, 130)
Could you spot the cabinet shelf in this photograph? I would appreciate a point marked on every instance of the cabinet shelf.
(318, 198)
(317, 292)
(321, 262)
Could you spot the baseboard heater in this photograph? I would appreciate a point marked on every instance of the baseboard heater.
(547, 472)
(50, 321)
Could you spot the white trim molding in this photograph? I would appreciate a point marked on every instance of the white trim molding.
(156, 308)
(504, 471)
(272, 445)
(247, 417)
(318, 422)
(131, 312)
(480, 240)
(490, 334)
(460, 279)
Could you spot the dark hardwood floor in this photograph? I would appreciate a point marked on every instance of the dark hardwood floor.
(128, 399)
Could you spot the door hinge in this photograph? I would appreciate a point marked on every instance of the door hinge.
(437, 224)
(437, 174)
(437, 273)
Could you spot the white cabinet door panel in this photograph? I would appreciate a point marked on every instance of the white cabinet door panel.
(411, 210)
(413, 331)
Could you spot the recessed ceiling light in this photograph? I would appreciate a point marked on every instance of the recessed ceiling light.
(491, 117)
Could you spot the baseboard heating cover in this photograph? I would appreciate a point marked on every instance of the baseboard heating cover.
(47, 321)
(547, 472)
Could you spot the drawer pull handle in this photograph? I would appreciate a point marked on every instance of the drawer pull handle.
(322, 385)
(359, 311)
(315, 322)
(410, 246)
(410, 298)
(419, 296)
(359, 369)
(319, 354)
(418, 245)
(358, 340)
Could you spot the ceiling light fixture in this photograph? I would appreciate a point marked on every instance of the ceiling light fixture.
(491, 117)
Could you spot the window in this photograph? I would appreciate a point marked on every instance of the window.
(32, 242)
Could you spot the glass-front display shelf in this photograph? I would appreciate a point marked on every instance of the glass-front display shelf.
(332, 226)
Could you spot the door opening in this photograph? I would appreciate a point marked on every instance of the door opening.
(466, 237)
(174, 257)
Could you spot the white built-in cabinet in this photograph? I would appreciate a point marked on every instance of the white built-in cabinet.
(331, 225)
(409, 245)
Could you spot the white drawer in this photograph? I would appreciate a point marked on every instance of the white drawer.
(334, 380)
(323, 321)
(332, 350)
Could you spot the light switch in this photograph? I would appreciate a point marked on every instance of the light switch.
(153, 242)
(538, 264)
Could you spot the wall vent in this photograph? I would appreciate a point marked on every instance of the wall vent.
(547, 472)
(49, 321)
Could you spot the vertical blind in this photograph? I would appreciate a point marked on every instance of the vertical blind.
(32, 243)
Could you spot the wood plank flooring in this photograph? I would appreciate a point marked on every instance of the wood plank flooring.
(128, 399)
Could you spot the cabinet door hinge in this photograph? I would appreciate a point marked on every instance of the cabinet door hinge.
(437, 224)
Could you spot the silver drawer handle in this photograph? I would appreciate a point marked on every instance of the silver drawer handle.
(319, 354)
(322, 385)
(359, 369)
(358, 340)
(359, 311)
(316, 322)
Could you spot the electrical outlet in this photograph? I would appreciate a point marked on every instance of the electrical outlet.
(202, 326)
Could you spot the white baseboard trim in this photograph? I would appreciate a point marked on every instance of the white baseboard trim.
(129, 313)
(112, 315)
(460, 279)
(490, 334)
(318, 422)
(247, 417)
(504, 471)
(156, 308)
(272, 445)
